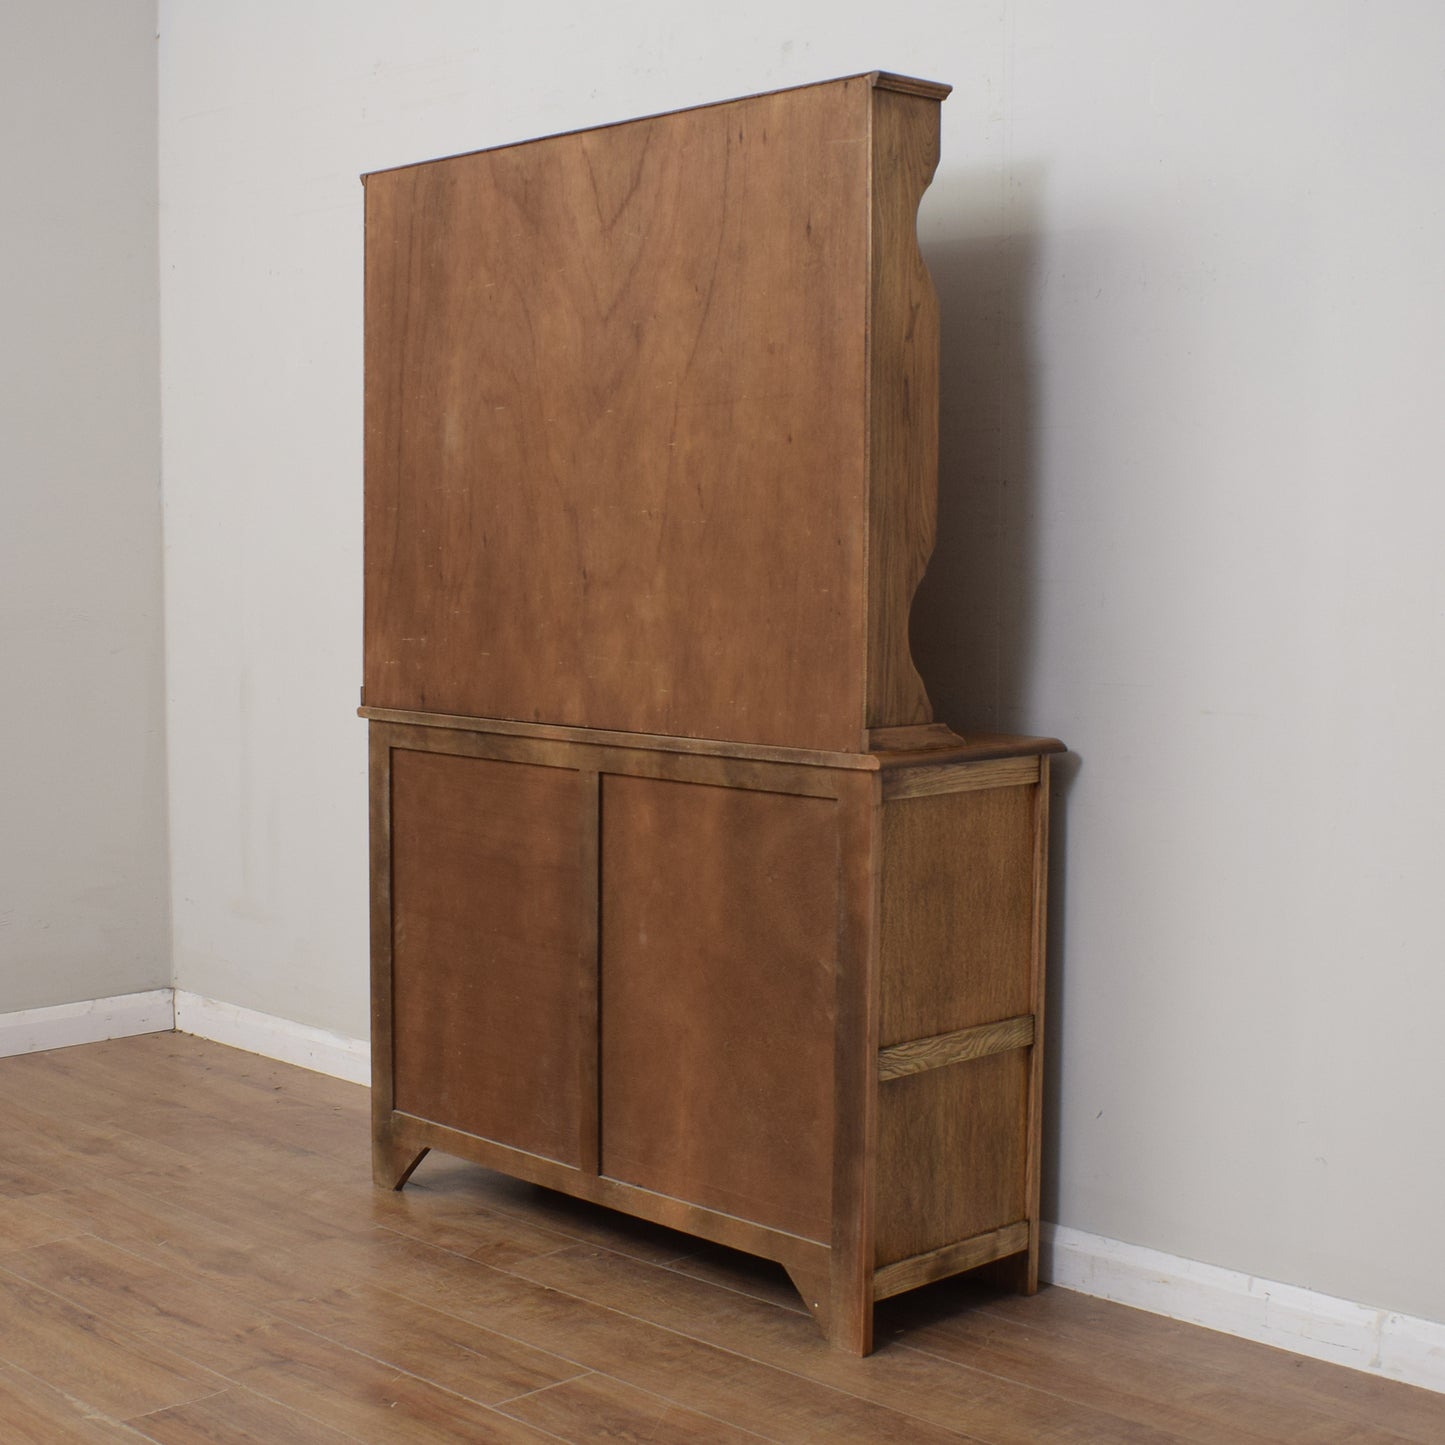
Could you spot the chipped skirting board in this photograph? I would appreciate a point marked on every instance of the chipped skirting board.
(1380, 1342)
(274, 1038)
(30, 1030)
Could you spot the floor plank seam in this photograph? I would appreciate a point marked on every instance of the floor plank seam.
(664, 1400)
(1217, 1374)
(1203, 1423)
(564, 1241)
(486, 1329)
(402, 1371)
(522, 1216)
(144, 1337)
(295, 1410)
(135, 1420)
(83, 1407)
(182, 1352)
(750, 1359)
(681, 1334)
(542, 1389)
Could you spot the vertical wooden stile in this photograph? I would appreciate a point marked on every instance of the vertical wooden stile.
(1033, 1176)
(589, 780)
(855, 1068)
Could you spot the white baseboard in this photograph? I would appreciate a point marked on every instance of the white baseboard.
(274, 1038)
(31, 1030)
(1400, 1347)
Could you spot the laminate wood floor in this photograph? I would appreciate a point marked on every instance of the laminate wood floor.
(191, 1250)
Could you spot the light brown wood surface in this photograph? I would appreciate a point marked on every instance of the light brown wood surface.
(903, 349)
(775, 1004)
(490, 935)
(210, 1215)
(897, 752)
(718, 984)
(959, 1047)
(952, 1151)
(666, 846)
(957, 912)
(652, 422)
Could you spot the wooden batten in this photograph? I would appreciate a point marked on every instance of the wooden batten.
(650, 742)
(934, 779)
(914, 738)
(923, 1269)
(957, 1047)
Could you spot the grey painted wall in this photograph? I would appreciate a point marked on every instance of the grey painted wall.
(84, 909)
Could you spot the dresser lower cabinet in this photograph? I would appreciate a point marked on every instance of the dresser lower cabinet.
(791, 1004)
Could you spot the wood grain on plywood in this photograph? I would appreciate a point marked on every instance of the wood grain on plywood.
(931, 778)
(949, 1259)
(615, 420)
(957, 912)
(951, 1154)
(487, 945)
(958, 1047)
(719, 928)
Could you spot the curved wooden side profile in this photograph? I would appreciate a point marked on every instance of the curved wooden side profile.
(903, 364)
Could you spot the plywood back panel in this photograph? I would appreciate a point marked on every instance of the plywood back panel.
(720, 915)
(617, 475)
(488, 937)
(618, 424)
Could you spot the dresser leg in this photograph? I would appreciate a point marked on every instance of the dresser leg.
(1016, 1272)
(392, 1160)
(850, 1323)
(816, 1293)
(842, 1309)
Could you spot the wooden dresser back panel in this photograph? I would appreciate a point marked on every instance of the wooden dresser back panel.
(616, 442)
(488, 937)
(720, 916)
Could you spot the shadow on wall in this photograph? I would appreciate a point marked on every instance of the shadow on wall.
(974, 622)
(973, 618)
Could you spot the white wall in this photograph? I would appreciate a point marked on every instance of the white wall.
(1191, 258)
(83, 908)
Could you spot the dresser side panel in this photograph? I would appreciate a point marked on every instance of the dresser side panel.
(957, 911)
(903, 366)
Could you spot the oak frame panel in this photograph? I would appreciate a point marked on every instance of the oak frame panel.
(840, 1279)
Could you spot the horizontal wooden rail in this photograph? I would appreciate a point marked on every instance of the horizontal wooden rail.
(930, 779)
(969, 1253)
(919, 1055)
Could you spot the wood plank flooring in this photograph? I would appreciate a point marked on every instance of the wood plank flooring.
(191, 1250)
